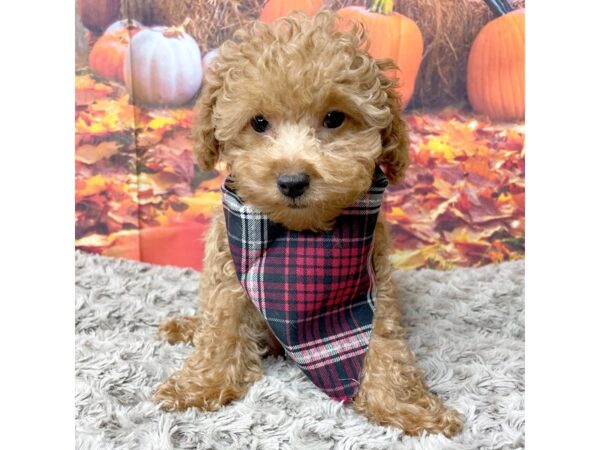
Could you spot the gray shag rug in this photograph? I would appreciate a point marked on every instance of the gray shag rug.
(466, 327)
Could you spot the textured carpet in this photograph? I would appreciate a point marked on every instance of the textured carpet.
(465, 326)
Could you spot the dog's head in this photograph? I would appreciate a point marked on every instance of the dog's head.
(301, 114)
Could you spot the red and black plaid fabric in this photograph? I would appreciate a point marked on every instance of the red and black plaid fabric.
(315, 290)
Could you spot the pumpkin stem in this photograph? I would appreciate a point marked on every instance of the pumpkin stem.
(185, 23)
(129, 23)
(382, 6)
(130, 26)
(177, 31)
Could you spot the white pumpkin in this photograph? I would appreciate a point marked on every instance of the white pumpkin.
(120, 24)
(163, 67)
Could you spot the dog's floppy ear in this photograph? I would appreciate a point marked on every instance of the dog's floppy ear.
(206, 145)
(394, 138)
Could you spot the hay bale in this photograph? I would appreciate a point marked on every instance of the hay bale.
(212, 21)
(449, 28)
(82, 48)
(148, 12)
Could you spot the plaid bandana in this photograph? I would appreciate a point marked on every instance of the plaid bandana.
(315, 290)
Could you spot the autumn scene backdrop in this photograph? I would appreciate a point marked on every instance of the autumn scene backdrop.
(139, 66)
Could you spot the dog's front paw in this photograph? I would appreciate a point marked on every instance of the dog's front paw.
(185, 389)
(444, 420)
(181, 329)
(426, 414)
(451, 424)
(169, 397)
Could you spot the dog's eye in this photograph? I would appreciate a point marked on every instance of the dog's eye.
(259, 124)
(334, 119)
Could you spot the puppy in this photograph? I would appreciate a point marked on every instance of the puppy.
(301, 100)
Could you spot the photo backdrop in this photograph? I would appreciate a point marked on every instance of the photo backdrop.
(139, 65)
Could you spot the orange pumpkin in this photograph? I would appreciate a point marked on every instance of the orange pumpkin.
(274, 9)
(393, 36)
(108, 54)
(496, 68)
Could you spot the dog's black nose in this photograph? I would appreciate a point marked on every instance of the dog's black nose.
(293, 185)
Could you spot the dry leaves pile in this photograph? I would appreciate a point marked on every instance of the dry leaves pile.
(461, 204)
(463, 200)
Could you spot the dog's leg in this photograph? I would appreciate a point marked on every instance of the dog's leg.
(228, 334)
(180, 329)
(392, 390)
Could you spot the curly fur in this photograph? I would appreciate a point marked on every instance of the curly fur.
(293, 73)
